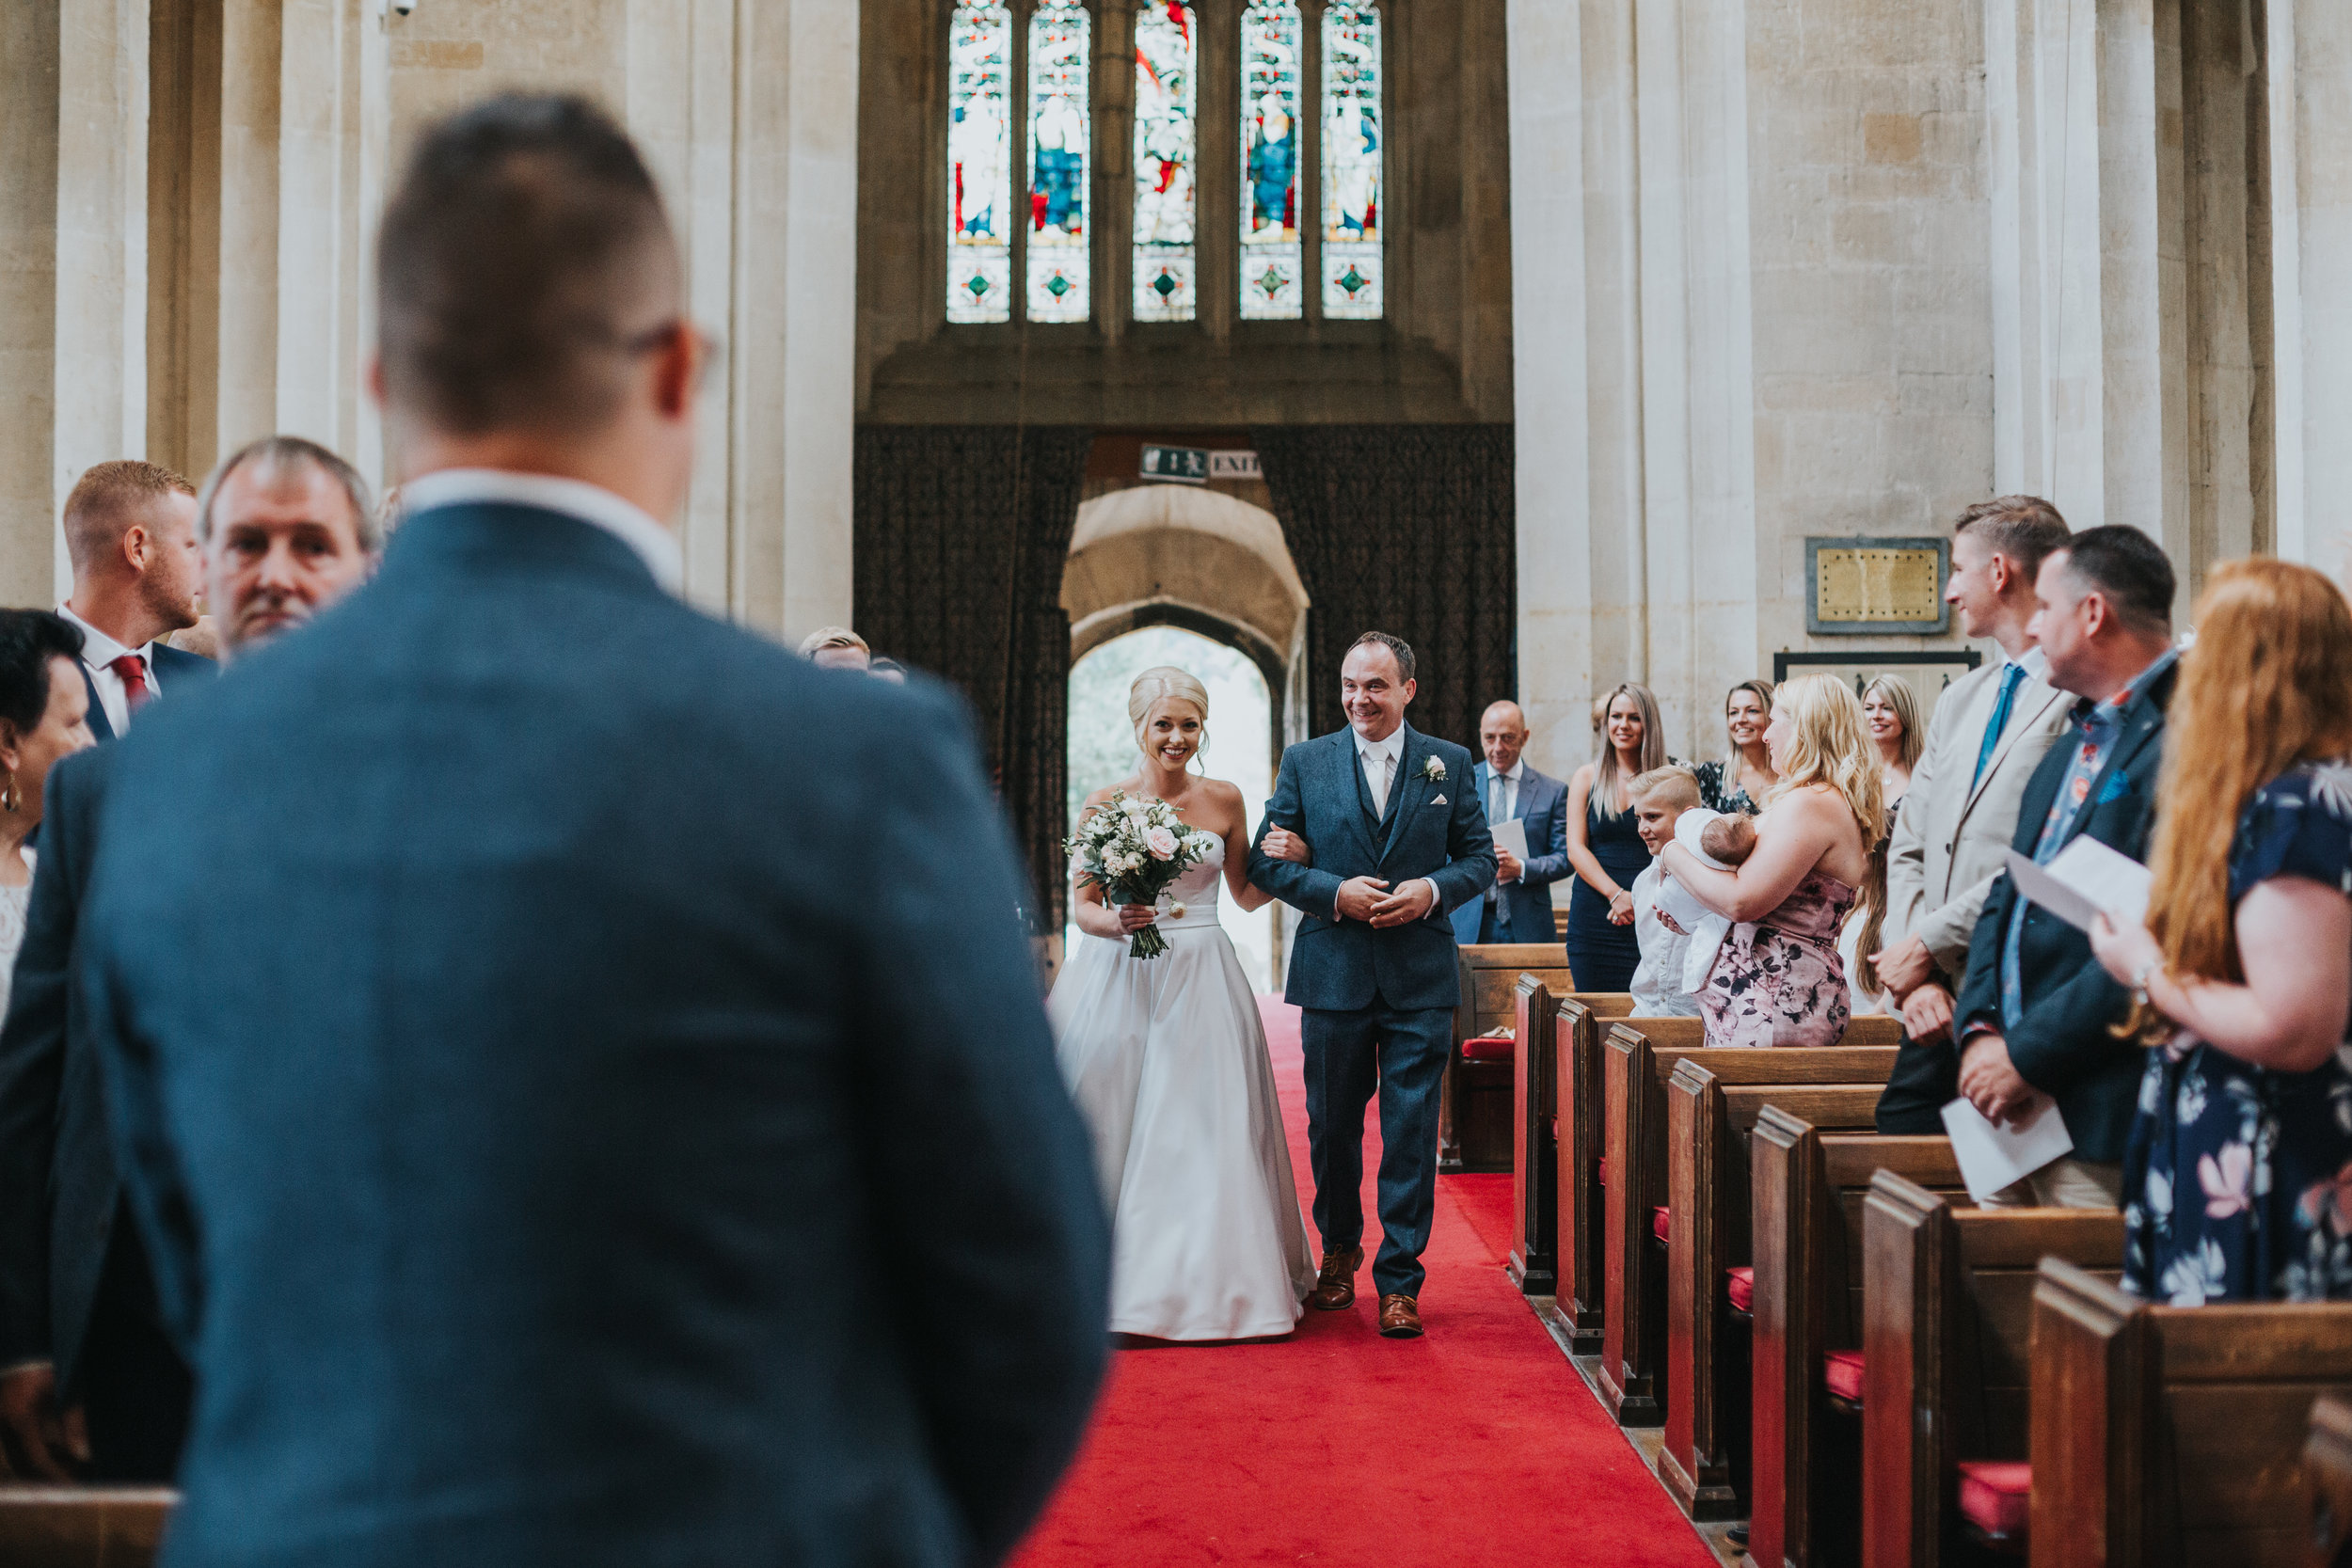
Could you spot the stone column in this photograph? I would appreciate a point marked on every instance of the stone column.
(2310, 212)
(29, 41)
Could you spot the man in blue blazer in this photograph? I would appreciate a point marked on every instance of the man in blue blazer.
(288, 529)
(1399, 842)
(1518, 907)
(579, 1119)
(2036, 1010)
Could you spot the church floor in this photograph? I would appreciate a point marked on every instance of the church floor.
(1478, 1444)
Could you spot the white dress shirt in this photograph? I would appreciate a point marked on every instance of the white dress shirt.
(1383, 762)
(655, 546)
(1502, 807)
(99, 651)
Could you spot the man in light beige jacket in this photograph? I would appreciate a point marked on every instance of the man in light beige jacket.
(1956, 818)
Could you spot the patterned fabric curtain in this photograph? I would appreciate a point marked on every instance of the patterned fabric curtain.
(1409, 530)
(961, 535)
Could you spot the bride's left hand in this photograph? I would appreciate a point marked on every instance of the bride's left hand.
(1283, 845)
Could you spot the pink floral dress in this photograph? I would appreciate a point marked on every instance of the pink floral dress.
(2237, 1180)
(1778, 980)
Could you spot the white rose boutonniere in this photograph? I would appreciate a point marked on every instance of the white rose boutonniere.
(1432, 769)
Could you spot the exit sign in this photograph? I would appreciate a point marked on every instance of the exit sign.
(1197, 464)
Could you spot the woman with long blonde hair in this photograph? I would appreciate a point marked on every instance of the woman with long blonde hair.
(1777, 979)
(1890, 712)
(1605, 843)
(2237, 1177)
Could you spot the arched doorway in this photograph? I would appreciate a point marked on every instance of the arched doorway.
(1167, 574)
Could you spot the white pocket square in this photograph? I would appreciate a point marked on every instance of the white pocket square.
(1436, 799)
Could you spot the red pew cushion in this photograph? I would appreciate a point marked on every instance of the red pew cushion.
(1741, 1288)
(1996, 1496)
(1660, 1224)
(1600, 1174)
(1486, 1048)
(1842, 1370)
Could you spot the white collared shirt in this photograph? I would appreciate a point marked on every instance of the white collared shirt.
(99, 652)
(2034, 662)
(1370, 754)
(1508, 806)
(655, 546)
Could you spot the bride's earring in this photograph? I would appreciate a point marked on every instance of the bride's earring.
(11, 801)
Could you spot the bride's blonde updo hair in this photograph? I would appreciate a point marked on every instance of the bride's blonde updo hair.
(1164, 681)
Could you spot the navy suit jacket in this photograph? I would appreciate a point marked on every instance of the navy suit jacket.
(175, 668)
(577, 1118)
(2063, 1044)
(1543, 805)
(59, 1192)
(1320, 795)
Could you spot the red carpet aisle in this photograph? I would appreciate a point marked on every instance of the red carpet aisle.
(1477, 1445)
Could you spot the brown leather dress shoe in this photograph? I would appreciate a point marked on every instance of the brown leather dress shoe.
(1400, 1317)
(1335, 1286)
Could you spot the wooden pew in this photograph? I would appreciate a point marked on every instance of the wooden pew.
(2327, 1467)
(82, 1527)
(1559, 1045)
(1806, 1192)
(1577, 1100)
(2174, 1436)
(1640, 1059)
(1708, 1123)
(1475, 1130)
(1947, 1344)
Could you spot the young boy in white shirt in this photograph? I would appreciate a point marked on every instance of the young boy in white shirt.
(1659, 797)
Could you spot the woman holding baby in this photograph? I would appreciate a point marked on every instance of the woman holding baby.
(1777, 979)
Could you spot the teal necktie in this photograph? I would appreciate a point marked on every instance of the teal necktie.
(2010, 678)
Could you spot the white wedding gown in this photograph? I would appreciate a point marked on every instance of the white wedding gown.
(1167, 1059)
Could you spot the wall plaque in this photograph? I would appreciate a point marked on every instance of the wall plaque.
(1877, 587)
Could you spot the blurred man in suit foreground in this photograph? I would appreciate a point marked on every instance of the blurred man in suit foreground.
(580, 1121)
(92, 1383)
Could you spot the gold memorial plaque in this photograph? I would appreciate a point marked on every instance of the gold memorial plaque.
(1870, 585)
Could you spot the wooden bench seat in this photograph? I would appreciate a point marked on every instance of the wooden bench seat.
(1558, 1119)
(1947, 1340)
(1806, 1217)
(1639, 1057)
(82, 1527)
(1708, 1124)
(2170, 1435)
(1474, 1099)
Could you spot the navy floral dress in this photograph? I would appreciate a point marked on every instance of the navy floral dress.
(2240, 1178)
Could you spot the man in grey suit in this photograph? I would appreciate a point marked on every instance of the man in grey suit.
(1518, 908)
(1956, 818)
(576, 1118)
(1400, 841)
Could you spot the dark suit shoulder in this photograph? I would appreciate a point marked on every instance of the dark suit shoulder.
(170, 661)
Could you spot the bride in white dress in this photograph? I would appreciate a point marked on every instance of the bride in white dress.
(1167, 1059)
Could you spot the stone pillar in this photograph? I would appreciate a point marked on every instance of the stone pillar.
(28, 301)
(2309, 67)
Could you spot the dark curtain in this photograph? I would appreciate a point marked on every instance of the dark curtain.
(961, 535)
(1409, 530)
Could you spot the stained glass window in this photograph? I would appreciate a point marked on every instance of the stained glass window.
(1059, 137)
(1351, 161)
(1270, 287)
(1167, 45)
(979, 163)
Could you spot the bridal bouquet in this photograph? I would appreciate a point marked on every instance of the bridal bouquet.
(1133, 849)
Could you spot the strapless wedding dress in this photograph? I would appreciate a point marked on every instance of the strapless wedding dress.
(1167, 1059)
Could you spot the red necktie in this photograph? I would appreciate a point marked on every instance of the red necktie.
(135, 687)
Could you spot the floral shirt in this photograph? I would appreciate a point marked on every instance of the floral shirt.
(1720, 788)
(2238, 1179)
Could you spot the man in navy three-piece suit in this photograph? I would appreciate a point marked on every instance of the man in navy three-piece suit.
(1518, 907)
(578, 1118)
(1400, 841)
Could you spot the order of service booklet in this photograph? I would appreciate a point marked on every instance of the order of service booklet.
(2084, 879)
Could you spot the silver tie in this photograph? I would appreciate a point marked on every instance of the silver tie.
(1378, 779)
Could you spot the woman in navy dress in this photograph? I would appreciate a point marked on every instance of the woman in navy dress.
(2237, 1179)
(1605, 844)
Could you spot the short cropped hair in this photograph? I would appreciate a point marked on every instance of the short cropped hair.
(29, 639)
(2026, 528)
(2129, 570)
(279, 452)
(1397, 646)
(832, 637)
(105, 502)
(522, 260)
(1675, 783)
